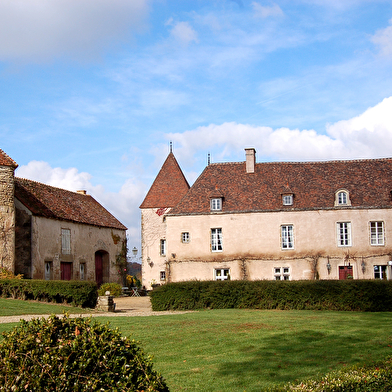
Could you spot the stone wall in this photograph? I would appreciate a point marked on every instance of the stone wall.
(7, 218)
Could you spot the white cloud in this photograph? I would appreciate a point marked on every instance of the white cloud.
(124, 205)
(44, 29)
(365, 136)
(383, 39)
(265, 11)
(183, 33)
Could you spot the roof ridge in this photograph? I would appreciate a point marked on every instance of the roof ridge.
(305, 162)
(50, 186)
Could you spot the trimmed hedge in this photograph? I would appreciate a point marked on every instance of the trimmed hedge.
(375, 377)
(347, 295)
(77, 293)
(63, 354)
(114, 288)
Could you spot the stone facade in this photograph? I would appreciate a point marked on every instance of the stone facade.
(51, 233)
(284, 220)
(7, 217)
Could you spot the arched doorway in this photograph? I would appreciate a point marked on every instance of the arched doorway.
(101, 267)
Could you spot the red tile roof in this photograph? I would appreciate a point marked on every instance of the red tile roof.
(50, 202)
(314, 184)
(169, 186)
(5, 160)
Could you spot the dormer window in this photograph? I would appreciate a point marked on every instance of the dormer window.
(216, 204)
(287, 200)
(342, 198)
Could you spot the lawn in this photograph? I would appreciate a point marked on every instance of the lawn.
(248, 350)
(16, 307)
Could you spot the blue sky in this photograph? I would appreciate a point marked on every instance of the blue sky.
(93, 91)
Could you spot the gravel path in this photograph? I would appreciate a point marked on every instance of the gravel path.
(125, 307)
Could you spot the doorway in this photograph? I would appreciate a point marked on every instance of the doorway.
(66, 270)
(101, 267)
(346, 272)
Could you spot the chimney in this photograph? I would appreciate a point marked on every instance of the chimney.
(250, 154)
(82, 192)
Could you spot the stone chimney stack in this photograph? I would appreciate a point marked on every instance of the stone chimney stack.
(82, 192)
(250, 154)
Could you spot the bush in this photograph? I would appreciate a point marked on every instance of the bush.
(348, 295)
(77, 293)
(7, 274)
(376, 377)
(63, 354)
(114, 288)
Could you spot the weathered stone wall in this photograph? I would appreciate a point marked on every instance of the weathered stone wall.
(252, 245)
(85, 241)
(7, 218)
(153, 231)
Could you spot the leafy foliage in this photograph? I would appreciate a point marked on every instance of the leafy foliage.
(7, 274)
(348, 295)
(77, 293)
(133, 281)
(66, 354)
(114, 288)
(377, 377)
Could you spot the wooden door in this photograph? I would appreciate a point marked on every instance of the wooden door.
(66, 271)
(345, 271)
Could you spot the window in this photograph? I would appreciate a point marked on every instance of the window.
(216, 240)
(380, 272)
(163, 275)
(185, 238)
(342, 198)
(216, 204)
(282, 273)
(287, 237)
(66, 241)
(222, 274)
(82, 271)
(287, 200)
(48, 270)
(162, 250)
(376, 233)
(344, 233)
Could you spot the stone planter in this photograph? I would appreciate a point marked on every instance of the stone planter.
(106, 303)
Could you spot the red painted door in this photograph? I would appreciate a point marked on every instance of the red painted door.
(98, 268)
(66, 271)
(345, 272)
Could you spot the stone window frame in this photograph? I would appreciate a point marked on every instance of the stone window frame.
(216, 204)
(282, 273)
(342, 198)
(185, 237)
(287, 237)
(216, 240)
(377, 233)
(344, 234)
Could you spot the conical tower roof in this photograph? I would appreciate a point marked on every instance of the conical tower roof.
(168, 188)
(5, 160)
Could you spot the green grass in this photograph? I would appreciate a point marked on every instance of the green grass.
(249, 350)
(16, 307)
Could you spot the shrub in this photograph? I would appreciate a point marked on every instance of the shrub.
(348, 295)
(376, 377)
(63, 354)
(133, 281)
(114, 288)
(7, 274)
(77, 293)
